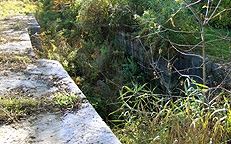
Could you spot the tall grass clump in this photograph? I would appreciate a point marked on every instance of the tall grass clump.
(146, 117)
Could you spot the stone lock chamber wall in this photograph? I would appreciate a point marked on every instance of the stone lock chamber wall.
(41, 78)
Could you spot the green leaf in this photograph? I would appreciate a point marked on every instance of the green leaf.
(132, 136)
(129, 89)
(54, 47)
(226, 101)
(140, 88)
(201, 85)
(117, 120)
(185, 88)
(155, 138)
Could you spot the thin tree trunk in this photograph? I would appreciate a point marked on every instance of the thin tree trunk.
(204, 54)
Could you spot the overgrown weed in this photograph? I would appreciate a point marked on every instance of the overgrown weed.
(148, 118)
(80, 36)
(14, 107)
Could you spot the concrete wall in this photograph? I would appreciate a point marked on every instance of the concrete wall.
(20, 75)
(186, 64)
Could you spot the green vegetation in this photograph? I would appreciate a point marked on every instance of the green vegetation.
(65, 100)
(16, 7)
(82, 35)
(146, 117)
(16, 105)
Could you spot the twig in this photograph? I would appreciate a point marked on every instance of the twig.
(178, 71)
(194, 13)
(193, 3)
(176, 31)
(207, 20)
(222, 81)
(185, 53)
(207, 11)
(8, 115)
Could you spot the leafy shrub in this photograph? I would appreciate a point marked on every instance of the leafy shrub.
(222, 18)
(93, 20)
(82, 36)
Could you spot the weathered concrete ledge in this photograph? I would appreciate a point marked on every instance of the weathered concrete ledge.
(19, 74)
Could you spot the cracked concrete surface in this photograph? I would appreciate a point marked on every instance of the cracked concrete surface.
(19, 70)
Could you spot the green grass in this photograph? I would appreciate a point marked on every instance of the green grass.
(219, 49)
(148, 118)
(68, 101)
(16, 7)
(14, 107)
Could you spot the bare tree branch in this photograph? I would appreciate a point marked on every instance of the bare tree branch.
(221, 12)
(185, 53)
(176, 31)
(207, 11)
(178, 71)
(213, 40)
(181, 45)
(221, 35)
(194, 13)
(222, 81)
(206, 21)
(193, 3)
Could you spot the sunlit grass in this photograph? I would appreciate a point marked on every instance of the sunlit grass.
(148, 118)
(16, 7)
(218, 45)
(13, 107)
